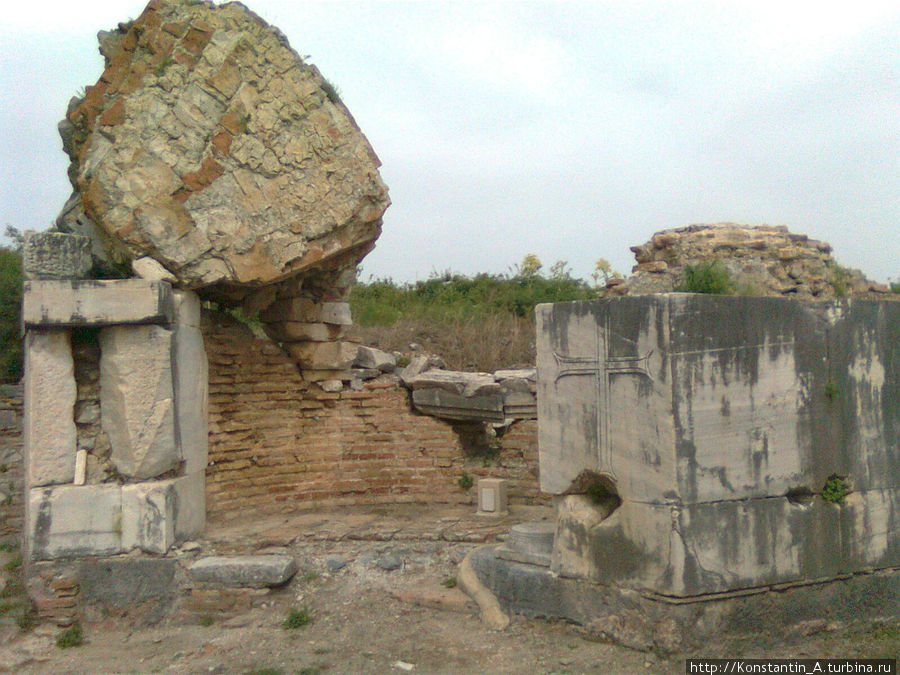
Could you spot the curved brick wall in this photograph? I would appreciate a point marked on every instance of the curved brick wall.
(278, 443)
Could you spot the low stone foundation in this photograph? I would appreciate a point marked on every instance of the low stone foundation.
(656, 623)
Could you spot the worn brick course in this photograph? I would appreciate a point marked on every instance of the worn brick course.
(279, 443)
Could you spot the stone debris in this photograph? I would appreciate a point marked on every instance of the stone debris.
(761, 260)
(253, 571)
(209, 146)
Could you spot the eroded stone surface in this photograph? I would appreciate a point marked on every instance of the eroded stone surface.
(137, 399)
(98, 303)
(54, 255)
(50, 432)
(209, 146)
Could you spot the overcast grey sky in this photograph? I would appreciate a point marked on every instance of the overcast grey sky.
(571, 130)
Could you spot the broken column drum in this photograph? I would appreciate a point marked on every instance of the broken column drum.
(728, 427)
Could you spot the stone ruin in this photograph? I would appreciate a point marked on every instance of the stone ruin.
(698, 449)
(209, 164)
(760, 260)
(720, 465)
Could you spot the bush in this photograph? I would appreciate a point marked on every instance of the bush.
(10, 312)
(710, 276)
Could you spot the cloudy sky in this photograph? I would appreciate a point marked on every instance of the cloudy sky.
(571, 130)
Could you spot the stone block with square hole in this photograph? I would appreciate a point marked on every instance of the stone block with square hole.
(702, 444)
(143, 487)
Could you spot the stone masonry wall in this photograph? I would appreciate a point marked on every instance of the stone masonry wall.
(279, 444)
(12, 466)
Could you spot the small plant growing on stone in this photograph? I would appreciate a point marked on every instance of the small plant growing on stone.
(465, 481)
(831, 390)
(72, 636)
(449, 582)
(297, 618)
(332, 92)
(710, 276)
(310, 575)
(836, 489)
(206, 620)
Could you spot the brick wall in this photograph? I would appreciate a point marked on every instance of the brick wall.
(12, 465)
(280, 444)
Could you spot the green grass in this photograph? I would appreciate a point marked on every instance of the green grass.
(297, 618)
(72, 636)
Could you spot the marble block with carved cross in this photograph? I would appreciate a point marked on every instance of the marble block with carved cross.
(707, 444)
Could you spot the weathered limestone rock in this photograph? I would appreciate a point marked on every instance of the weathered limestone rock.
(255, 571)
(447, 405)
(137, 399)
(54, 255)
(210, 146)
(455, 382)
(50, 433)
(761, 260)
(98, 303)
(323, 355)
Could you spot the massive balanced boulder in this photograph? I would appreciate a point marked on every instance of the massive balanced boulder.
(209, 146)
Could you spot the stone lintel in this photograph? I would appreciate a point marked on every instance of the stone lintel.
(97, 302)
(444, 404)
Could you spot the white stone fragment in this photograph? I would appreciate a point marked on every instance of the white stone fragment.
(70, 520)
(50, 435)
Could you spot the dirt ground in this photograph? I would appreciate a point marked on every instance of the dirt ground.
(367, 617)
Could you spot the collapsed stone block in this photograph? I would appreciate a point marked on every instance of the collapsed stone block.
(255, 571)
(55, 255)
(50, 432)
(137, 399)
(98, 303)
(226, 164)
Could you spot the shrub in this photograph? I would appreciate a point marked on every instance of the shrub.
(709, 276)
(10, 307)
(836, 489)
(297, 618)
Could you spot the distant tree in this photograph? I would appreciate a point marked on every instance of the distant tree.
(530, 267)
(559, 271)
(603, 272)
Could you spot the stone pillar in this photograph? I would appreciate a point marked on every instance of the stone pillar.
(153, 408)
